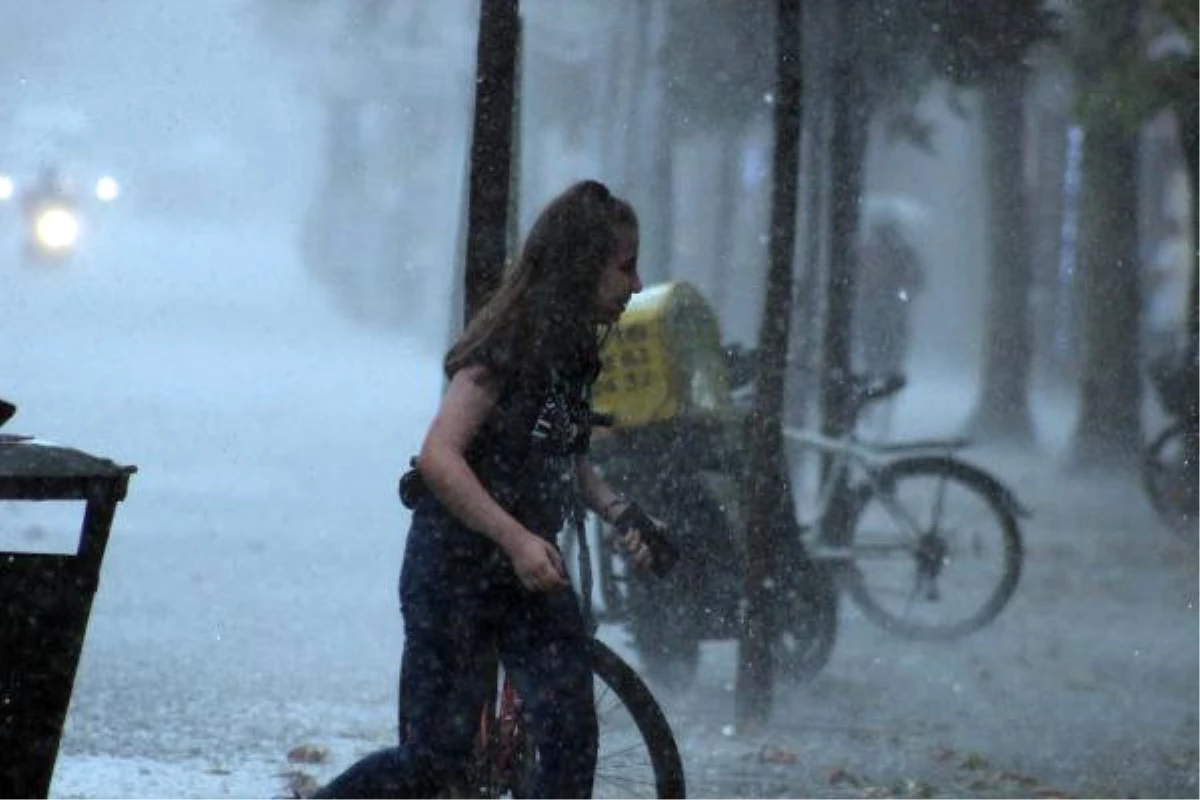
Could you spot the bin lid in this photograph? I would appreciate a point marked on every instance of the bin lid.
(54, 471)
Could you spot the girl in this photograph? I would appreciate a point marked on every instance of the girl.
(502, 463)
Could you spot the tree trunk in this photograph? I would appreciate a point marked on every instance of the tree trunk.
(622, 99)
(1188, 114)
(661, 250)
(808, 316)
(768, 494)
(1002, 411)
(661, 194)
(650, 184)
(1108, 432)
(491, 150)
(335, 203)
(848, 144)
(728, 201)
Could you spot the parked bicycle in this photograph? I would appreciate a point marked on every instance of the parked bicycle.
(1171, 464)
(927, 545)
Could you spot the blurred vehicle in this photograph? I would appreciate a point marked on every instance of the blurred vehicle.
(52, 211)
(677, 445)
(926, 544)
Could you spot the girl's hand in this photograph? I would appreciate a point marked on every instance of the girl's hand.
(538, 564)
(636, 550)
(635, 547)
(646, 541)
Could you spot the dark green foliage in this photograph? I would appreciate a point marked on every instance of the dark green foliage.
(719, 54)
(720, 61)
(970, 39)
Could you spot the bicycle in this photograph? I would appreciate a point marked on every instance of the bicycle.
(1171, 461)
(907, 526)
(638, 755)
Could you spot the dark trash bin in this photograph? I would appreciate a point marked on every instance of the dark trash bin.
(45, 601)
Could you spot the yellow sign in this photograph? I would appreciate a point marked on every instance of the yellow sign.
(663, 359)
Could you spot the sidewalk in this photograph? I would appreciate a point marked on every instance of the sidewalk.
(1085, 686)
(287, 632)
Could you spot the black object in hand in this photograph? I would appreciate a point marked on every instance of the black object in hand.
(664, 553)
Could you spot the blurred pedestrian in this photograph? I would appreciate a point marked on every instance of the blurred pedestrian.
(890, 276)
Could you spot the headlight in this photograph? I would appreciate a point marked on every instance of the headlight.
(56, 229)
(107, 189)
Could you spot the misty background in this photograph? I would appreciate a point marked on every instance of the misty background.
(258, 322)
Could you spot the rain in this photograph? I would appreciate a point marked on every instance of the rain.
(266, 265)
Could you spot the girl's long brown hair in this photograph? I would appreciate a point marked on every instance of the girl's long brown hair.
(543, 311)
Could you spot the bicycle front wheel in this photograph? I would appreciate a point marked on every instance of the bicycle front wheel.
(936, 550)
(638, 755)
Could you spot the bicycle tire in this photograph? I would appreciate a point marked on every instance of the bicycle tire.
(642, 762)
(1161, 479)
(997, 506)
(808, 631)
(656, 736)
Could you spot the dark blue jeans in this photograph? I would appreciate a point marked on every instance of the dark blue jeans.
(462, 604)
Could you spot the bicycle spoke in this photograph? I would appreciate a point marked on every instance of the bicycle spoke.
(933, 554)
(880, 549)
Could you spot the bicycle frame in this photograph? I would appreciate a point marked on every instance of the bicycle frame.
(505, 754)
(849, 455)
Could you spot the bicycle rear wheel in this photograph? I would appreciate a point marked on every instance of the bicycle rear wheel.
(936, 550)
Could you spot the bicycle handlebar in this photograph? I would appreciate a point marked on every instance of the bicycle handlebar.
(883, 387)
(602, 420)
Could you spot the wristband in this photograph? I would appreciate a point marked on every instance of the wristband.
(616, 501)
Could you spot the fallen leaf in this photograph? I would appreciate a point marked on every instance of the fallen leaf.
(974, 761)
(1016, 777)
(301, 784)
(944, 754)
(777, 755)
(839, 775)
(307, 754)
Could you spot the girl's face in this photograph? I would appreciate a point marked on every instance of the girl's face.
(619, 277)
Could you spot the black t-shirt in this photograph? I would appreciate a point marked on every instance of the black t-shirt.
(525, 451)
